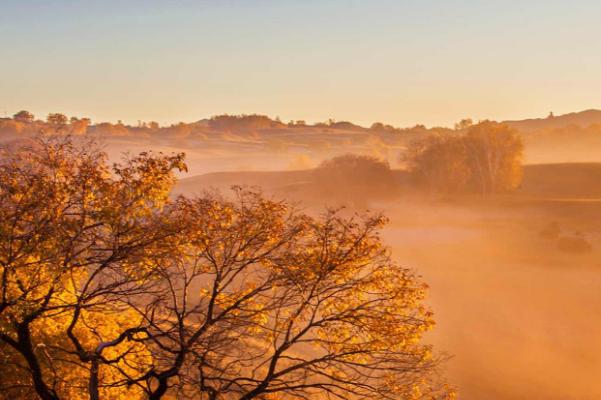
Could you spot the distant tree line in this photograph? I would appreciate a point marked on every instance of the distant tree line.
(25, 122)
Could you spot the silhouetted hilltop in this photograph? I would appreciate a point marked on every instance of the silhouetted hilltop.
(250, 124)
(582, 118)
(563, 138)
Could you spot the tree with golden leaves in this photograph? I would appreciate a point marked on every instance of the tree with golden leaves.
(439, 163)
(494, 156)
(77, 239)
(110, 289)
(486, 159)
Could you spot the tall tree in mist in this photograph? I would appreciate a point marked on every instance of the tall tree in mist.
(110, 289)
(487, 159)
(495, 157)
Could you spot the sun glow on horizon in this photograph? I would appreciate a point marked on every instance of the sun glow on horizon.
(402, 63)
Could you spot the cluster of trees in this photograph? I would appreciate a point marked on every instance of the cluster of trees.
(24, 122)
(486, 159)
(111, 289)
(355, 179)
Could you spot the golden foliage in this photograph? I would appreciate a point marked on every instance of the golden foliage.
(110, 289)
(487, 159)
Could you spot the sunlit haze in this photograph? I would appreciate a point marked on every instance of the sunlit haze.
(399, 62)
(286, 200)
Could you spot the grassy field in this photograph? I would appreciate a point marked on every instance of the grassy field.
(566, 180)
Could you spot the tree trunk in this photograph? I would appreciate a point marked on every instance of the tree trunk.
(25, 347)
(93, 384)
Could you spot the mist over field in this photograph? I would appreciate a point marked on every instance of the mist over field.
(513, 272)
(519, 316)
(517, 312)
(215, 144)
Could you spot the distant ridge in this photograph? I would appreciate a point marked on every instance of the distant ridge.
(582, 118)
(217, 143)
(255, 123)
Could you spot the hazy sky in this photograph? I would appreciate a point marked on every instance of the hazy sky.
(395, 61)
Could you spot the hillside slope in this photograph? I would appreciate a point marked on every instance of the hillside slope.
(582, 118)
(563, 180)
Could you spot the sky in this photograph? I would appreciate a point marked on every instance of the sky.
(394, 61)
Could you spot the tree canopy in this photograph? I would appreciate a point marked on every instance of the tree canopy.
(112, 289)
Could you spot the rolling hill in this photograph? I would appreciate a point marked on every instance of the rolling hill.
(561, 180)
